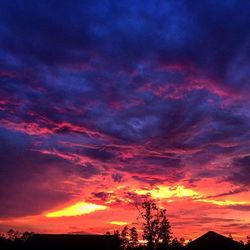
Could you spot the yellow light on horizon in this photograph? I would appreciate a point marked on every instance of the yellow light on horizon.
(179, 191)
(164, 192)
(119, 223)
(77, 209)
(223, 203)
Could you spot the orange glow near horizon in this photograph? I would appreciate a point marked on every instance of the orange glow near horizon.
(77, 209)
(81, 216)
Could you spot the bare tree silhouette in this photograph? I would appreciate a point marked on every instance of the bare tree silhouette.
(156, 227)
(133, 241)
(124, 238)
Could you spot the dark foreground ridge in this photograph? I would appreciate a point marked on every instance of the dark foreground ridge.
(209, 241)
(64, 242)
(214, 241)
(69, 241)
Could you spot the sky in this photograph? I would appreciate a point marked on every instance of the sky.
(105, 103)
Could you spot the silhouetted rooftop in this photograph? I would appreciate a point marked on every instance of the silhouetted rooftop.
(213, 241)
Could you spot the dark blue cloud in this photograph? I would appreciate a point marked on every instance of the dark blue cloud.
(206, 34)
(240, 174)
(117, 177)
(101, 195)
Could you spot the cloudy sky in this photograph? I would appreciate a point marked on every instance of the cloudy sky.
(103, 103)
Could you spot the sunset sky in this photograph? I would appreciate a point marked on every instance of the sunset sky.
(104, 103)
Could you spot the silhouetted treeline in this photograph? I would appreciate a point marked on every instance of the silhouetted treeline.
(30, 241)
(14, 240)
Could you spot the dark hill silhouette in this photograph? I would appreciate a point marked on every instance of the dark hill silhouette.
(247, 247)
(5, 244)
(72, 242)
(214, 241)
